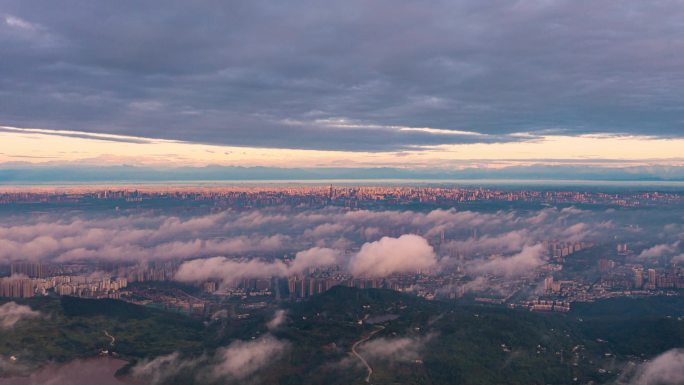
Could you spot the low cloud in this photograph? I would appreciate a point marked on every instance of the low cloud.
(503, 243)
(11, 313)
(231, 269)
(162, 368)
(277, 320)
(313, 257)
(522, 263)
(230, 245)
(660, 250)
(408, 253)
(131, 238)
(235, 362)
(665, 369)
(228, 270)
(476, 285)
(242, 359)
(403, 349)
(68, 237)
(678, 258)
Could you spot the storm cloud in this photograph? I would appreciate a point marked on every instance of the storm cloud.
(353, 75)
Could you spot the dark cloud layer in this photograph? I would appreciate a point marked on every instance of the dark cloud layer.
(343, 75)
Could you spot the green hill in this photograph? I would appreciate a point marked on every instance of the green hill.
(441, 343)
(75, 328)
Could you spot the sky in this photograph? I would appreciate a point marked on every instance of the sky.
(439, 85)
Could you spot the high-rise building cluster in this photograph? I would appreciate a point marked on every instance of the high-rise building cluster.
(561, 249)
(303, 287)
(652, 279)
(549, 305)
(21, 286)
(16, 287)
(153, 271)
(90, 288)
(622, 248)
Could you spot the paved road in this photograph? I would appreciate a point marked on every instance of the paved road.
(363, 360)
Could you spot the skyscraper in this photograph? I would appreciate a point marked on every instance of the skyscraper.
(651, 279)
(638, 278)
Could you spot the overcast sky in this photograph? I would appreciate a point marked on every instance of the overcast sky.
(371, 76)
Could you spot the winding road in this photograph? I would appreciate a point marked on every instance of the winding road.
(363, 360)
(110, 336)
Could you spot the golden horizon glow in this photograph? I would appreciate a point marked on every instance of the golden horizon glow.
(38, 146)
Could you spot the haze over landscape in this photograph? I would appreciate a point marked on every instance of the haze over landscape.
(386, 192)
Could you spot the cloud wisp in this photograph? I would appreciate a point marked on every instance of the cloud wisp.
(235, 363)
(400, 349)
(11, 313)
(665, 369)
